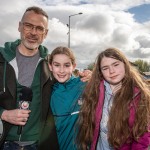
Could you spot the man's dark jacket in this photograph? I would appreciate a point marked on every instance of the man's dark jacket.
(48, 135)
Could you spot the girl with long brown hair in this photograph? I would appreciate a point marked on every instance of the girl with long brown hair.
(115, 114)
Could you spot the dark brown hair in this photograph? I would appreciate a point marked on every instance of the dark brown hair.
(37, 10)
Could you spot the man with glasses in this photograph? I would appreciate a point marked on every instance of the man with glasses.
(23, 64)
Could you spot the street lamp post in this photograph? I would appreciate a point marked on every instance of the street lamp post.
(69, 27)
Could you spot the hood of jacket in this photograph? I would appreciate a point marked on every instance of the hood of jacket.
(9, 50)
(9, 53)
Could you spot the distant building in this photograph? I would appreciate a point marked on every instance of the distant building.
(147, 75)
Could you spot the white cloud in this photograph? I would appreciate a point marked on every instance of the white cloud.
(114, 4)
(103, 24)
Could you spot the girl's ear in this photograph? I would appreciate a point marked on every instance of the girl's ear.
(74, 66)
(50, 67)
(19, 27)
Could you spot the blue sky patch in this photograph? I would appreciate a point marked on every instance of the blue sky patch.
(141, 13)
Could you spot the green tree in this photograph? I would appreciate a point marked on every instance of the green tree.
(91, 66)
(143, 66)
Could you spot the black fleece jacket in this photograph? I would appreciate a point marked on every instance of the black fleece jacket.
(48, 135)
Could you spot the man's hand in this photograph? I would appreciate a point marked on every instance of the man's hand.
(85, 75)
(16, 116)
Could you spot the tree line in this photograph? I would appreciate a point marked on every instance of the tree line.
(141, 65)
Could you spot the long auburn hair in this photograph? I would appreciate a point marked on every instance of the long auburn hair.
(118, 127)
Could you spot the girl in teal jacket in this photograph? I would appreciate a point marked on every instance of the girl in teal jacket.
(66, 96)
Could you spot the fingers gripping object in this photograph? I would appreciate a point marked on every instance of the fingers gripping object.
(25, 98)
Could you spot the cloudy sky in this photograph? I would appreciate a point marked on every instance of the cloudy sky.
(124, 24)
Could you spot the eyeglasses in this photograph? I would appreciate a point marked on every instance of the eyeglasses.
(30, 27)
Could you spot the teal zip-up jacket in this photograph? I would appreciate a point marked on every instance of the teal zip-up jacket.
(8, 94)
(65, 103)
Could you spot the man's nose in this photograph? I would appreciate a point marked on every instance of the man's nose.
(34, 30)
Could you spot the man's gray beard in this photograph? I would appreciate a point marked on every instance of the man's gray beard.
(30, 46)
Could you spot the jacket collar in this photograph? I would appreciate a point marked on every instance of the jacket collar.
(45, 72)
